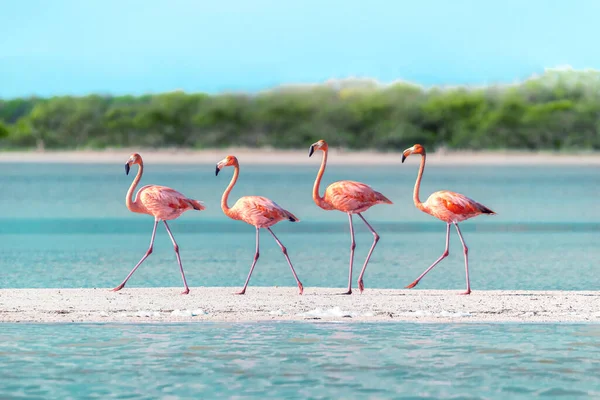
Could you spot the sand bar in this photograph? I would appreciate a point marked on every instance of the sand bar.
(141, 305)
(298, 157)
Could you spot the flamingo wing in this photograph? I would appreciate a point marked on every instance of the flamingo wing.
(260, 211)
(351, 196)
(451, 206)
(164, 202)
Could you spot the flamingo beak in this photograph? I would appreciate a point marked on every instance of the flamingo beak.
(127, 167)
(403, 157)
(217, 170)
(311, 150)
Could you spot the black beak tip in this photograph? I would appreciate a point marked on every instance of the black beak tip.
(311, 151)
(217, 170)
(403, 158)
(127, 169)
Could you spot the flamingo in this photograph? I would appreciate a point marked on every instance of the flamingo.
(257, 211)
(447, 206)
(349, 197)
(163, 203)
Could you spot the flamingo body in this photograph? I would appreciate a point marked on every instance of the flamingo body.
(447, 206)
(259, 212)
(164, 203)
(352, 197)
(161, 202)
(452, 207)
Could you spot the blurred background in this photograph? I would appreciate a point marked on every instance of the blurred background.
(378, 75)
(465, 74)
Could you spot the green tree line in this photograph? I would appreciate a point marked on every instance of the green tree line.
(557, 110)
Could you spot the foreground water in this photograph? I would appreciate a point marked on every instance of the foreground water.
(67, 226)
(300, 360)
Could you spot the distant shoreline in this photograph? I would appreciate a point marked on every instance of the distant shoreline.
(298, 157)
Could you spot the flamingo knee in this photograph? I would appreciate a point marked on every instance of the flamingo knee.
(375, 237)
(256, 256)
(149, 251)
(284, 250)
(352, 245)
(176, 247)
(465, 250)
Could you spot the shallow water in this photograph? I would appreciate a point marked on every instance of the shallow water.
(67, 226)
(300, 360)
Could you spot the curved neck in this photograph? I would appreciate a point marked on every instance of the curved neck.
(132, 205)
(416, 199)
(320, 201)
(234, 179)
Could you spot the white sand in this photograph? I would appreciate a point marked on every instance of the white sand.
(317, 304)
(300, 157)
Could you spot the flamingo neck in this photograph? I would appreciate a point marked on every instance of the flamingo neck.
(320, 201)
(234, 178)
(416, 199)
(133, 205)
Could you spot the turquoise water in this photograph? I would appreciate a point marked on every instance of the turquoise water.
(67, 226)
(300, 360)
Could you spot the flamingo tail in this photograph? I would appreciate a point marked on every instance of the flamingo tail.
(484, 209)
(197, 205)
(381, 198)
(291, 217)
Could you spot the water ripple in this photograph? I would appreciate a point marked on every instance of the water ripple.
(299, 360)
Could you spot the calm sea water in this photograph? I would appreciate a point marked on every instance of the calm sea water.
(67, 226)
(300, 360)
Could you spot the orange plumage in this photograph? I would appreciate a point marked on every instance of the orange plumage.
(447, 206)
(352, 198)
(164, 204)
(257, 211)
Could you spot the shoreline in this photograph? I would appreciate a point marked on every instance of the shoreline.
(298, 157)
(219, 304)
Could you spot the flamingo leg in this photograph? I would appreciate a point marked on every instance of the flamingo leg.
(352, 247)
(148, 252)
(446, 252)
(361, 286)
(466, 252)
(284, 251)
(176, 247)
(256, 255)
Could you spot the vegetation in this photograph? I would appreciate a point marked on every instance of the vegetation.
(558, 110)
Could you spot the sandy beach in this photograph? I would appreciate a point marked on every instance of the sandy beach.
(284, 304)
(298, 157)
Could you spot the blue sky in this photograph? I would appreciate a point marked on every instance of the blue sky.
(53, 47)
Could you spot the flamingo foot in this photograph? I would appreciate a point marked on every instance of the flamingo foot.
(301, 288)
(186, 291)
(348, 292)
(121, 286)
(241, 292)
(466, 293)
(361, 286)
(412, 285)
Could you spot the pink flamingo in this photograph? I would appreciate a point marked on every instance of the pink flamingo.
(447, 206)
(352, 198)
(163, 204)
(257, 211)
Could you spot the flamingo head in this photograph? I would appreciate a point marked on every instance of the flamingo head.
(226, 162)
(320, 145)
(416, 149)
(135, 158)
